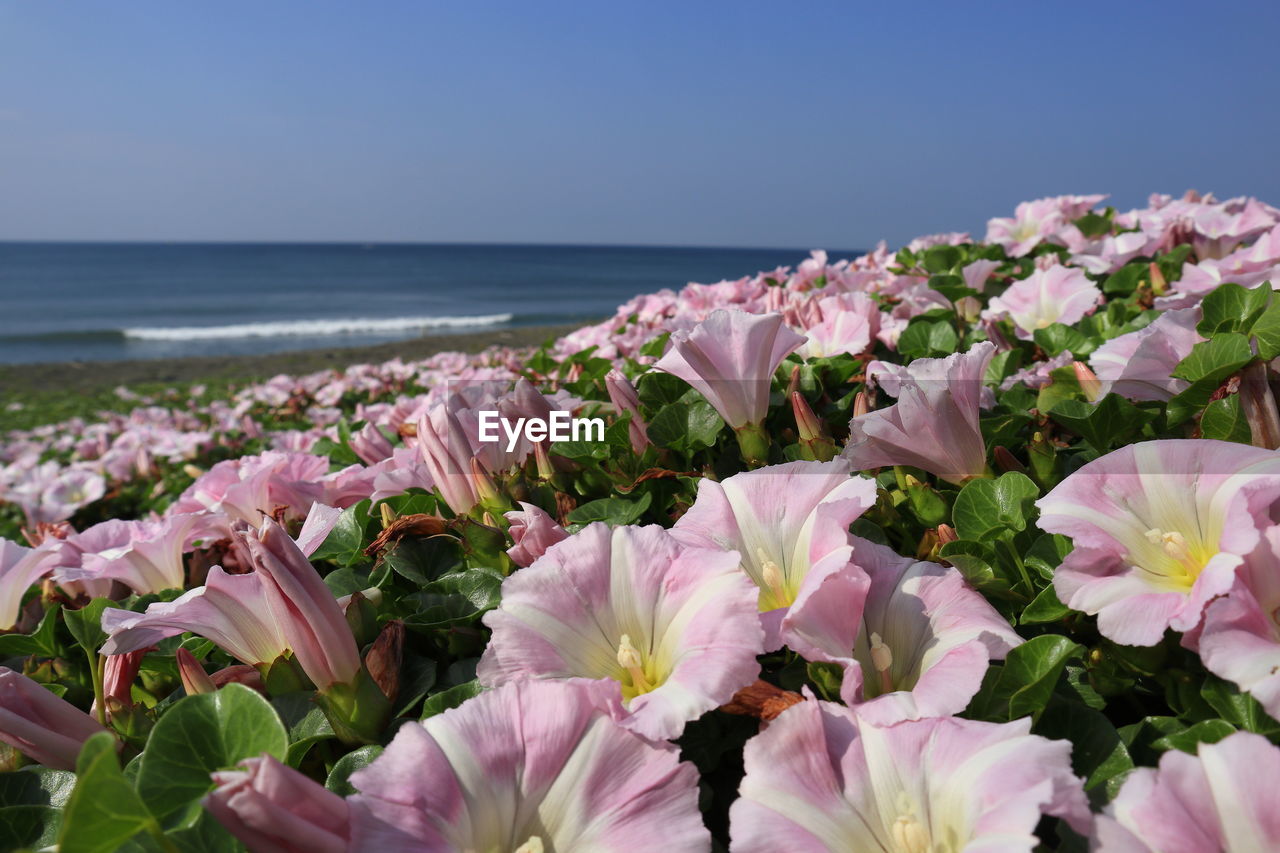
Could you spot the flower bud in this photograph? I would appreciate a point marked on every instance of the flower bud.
(269, 806)
(194, 678)
(42, 726)
(1089, 382)
(532, 532)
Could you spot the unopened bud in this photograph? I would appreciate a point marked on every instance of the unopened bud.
(1006, 461)
(194, 678)
(384, 657)
(968, 309)
(192, 471)
(387, 514)
(861, 404)
(484, 485)
(543, 461)
(1089, 382)
(793, 383)
(1158, 283)
(947, 533)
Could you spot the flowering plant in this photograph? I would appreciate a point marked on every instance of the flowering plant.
(975, 545)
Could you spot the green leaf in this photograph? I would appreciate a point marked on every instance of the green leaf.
(1093, 225)
(1024, 684)
(1125, 280)
(1215, 359)
(31, 803)
(455, 598)
(85, 624)
(1239, 709)
(450, 698)
(43, 641)
(1112, 420)
(1056, 338)
(987, 506)
(940, 259)
(1266, 331)
(686, 427)
(614, 510)
(201, 734)
(658, 388)
(1232, 308)
(925, 339)
(29, 827)
(345, 543)
(1032, 669)
(104, 811)
(1223, 420)
(357, 759)
(1098, 754)
(1189, 739)
(305, 721)
(1047, 553)
(1045, 607)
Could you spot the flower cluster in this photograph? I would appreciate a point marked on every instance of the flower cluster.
(971, 546)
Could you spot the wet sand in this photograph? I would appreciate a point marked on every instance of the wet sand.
(76, 377)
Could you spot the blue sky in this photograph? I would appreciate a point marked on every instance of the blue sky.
(705, 123)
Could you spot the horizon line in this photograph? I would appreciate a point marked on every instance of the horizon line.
(439, 243)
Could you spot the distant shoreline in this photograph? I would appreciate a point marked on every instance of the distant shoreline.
(84, 377)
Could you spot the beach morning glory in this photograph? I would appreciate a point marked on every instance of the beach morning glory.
(820, 778)
(785, 522)
(1159, 528)
(674, 628)
(529, 767)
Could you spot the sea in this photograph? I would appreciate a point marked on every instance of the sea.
(91, 302)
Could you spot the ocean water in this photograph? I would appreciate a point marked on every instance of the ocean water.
(109, 301)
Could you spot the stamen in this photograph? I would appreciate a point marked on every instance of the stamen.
(533, 845)
(630, 660)
(909, 835)
(774, 580)
(882, 660)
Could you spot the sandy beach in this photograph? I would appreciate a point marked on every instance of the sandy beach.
(78, 377)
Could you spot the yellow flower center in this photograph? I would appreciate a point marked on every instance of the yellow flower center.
(1176, 561)
(639, 675)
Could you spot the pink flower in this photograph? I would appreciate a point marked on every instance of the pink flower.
(819, 778)
(934, 424)
(40, 725)
(528, 767)
(849, 323)
(252, 487)
(271, 807)
(1223, 798)
(784, 522)
(303, 606)
(923, 643)
(19, 568)
(145, 555)
(1056, 295)
(1139, 365)
(230, 610)
(730, 358)
(1159, 529)
(446, 449)
(674, 628)
(371, 445)
(624, 397)
(1240, 637)
(532, 533)
(1036, 221)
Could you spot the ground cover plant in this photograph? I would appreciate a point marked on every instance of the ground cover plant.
(968, 546)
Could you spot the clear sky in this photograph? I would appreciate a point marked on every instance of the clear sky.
(785, 124)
